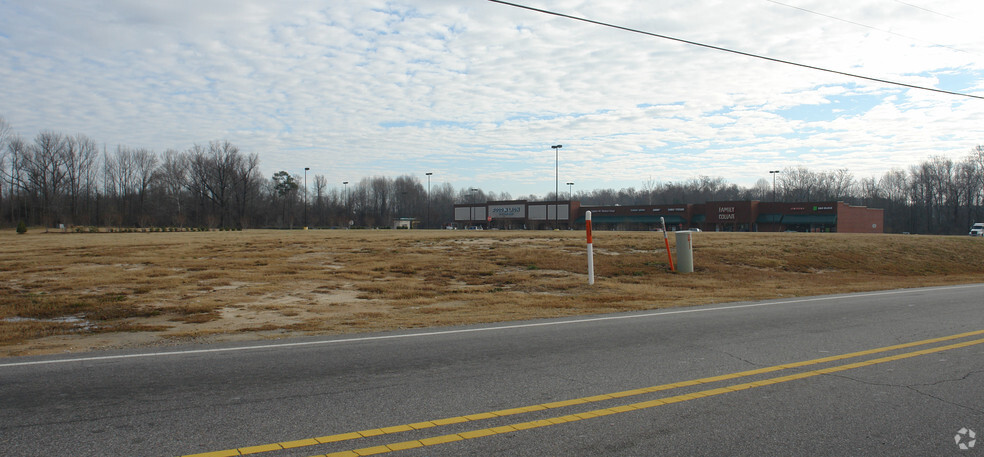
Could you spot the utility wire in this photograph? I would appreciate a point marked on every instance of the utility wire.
(864, 25)
(732, 51)
(926, 9)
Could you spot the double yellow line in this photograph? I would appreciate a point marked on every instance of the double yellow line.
(598, 398)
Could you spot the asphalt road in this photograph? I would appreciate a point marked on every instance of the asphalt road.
(886, 373)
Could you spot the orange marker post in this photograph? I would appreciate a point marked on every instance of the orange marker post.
(587, 225)
(666, 240)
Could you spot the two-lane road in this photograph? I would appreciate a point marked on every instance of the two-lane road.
(885, 373)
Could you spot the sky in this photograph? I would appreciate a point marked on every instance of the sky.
(477, 92)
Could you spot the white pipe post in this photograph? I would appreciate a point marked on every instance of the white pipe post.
(587, 225)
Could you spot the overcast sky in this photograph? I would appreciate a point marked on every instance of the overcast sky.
(477, 92)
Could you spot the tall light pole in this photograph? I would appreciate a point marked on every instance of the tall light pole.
(428, 198)
(471, 207)
(556, 149)
(345, 183)
(570, 192)
(773, 173)
(305, 196)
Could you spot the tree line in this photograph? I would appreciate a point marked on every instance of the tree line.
(58, 179)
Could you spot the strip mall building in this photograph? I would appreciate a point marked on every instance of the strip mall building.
(732, 216)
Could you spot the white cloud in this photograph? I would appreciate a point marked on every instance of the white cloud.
(476, 92)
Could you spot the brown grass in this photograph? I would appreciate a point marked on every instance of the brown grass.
(80, 291)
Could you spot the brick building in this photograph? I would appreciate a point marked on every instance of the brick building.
(728, 216)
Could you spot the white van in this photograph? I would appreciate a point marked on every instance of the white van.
(977, 229)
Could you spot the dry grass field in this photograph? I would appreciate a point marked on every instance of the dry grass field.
(73, 292)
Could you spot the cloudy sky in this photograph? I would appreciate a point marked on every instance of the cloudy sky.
(476, 92)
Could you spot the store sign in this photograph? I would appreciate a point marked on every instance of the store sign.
(822, 208)
(677, 209)
(726, 213)
(507, 211)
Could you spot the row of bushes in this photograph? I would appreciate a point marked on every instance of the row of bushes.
(22, 228)
(157, 229)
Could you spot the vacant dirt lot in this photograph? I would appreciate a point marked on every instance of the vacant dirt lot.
(75, 292)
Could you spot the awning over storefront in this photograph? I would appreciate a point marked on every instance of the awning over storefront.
(769, 219)
(803, 219)
(648, 219)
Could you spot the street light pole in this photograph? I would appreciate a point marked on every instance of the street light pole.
(773, 173)
(570, 200)
(347, 209)
(556, 149)
(428, 198)
(471, 207)
(305, 196)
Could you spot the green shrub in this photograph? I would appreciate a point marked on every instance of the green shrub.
(21, 227)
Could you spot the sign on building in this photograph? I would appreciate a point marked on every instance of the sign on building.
(508, 211)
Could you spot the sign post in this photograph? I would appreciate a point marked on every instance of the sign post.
(666, 241)
(587, 225)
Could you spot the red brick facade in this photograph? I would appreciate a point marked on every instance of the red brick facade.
(728, 216)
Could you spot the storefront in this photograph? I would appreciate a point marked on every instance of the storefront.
(728, 216)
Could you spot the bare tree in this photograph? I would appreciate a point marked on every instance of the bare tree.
(120, 183)
(246, 184)
(797, 184)
(172, 175)
(966, 191)
(839, 184)
(409, 196)
(976, 164)
(5, 133)
(649, 187)
(198, 176)
(144, 164)
(80, 160)
(869, 191)
(442, 203)
(213, 174)
(45, 169)
(380, 192)
(13, 174)
(761, 191)
(320, 184)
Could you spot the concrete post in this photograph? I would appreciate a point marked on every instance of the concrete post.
(684, 252)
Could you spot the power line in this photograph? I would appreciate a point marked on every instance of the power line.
(926, 9)
(732, 51)
(865, 25)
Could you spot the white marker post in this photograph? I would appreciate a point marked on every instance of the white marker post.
(587, 225)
